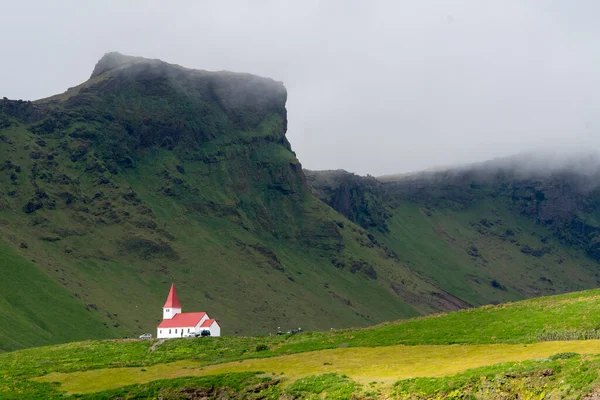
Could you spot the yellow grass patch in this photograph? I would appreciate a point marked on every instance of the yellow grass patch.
(363, 364)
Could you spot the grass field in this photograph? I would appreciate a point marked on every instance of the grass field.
(385, 365)
(499, 348)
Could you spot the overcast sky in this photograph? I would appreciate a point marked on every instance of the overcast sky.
(374, 87)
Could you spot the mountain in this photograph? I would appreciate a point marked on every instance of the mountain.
(490, 232)
(151, 173)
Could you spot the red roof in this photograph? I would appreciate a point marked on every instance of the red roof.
(172, 300)
(207, 323)
(183, 320)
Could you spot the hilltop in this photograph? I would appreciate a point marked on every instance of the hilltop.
(500, 351)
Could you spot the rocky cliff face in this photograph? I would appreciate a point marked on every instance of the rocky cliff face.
(360, 199)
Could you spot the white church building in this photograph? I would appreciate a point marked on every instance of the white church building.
(176, 324)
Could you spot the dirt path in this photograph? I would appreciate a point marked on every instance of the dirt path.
(156, 344)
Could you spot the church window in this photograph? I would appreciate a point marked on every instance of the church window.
(167, 310)
(175, 330)
(188, 330)
(169, 331)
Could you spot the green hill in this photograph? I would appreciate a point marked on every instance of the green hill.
(151, 173)
(486, 233)
(504, 351)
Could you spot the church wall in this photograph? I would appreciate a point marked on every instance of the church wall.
(165, 332)
(169, 314)
(215, 330)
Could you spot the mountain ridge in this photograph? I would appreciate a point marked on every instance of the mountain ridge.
(151, 173)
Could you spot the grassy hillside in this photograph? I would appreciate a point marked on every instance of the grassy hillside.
(442, 355)
(27, 314)
(151, 173)
(484, 235)
(486, 253)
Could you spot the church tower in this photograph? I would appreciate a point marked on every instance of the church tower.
(172, 305)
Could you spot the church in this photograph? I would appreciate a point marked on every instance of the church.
(176, 324)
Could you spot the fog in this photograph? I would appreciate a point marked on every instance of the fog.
(537, 165)
(374, 87)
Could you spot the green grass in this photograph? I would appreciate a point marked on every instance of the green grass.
(34, 309)
(363, 365)
(333, 385)
(560, 376)
(438, 245)
(230, 385)
(482, 336)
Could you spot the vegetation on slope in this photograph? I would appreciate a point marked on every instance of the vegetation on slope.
(360, 199)
(27, 314)
(485, 234)
(561, 376)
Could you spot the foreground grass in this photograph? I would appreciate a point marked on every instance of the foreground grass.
(518, 324)
(237, 386)
(562, 376)
(362, 365)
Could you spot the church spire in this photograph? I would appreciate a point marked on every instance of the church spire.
(172, 300)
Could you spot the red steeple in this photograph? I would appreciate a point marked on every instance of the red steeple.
(172, 300)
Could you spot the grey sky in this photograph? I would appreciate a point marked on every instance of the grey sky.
(375, 87)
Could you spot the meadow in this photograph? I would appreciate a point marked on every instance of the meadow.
(498, 349)
(383, 365)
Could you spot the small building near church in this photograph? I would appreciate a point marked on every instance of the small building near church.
(179, 324)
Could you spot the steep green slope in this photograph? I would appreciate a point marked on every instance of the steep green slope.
(485, 234)
(151, 173)
(36, 309)
(487, 253)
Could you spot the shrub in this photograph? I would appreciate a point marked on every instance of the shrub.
(563, 356)
(336, 386)
(572, 334)
(262, 347)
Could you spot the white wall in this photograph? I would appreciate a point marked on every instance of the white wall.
(169, 314)
(166, 335)
(165, 332)
(215, 329)
(201, 321)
